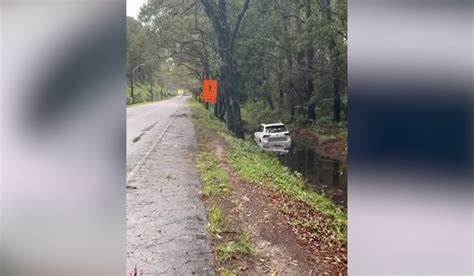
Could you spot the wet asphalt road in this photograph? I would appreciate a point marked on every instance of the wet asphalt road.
(166, 221)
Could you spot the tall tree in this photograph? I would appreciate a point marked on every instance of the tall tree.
(282, 54)
(334, 56)
(226, 36)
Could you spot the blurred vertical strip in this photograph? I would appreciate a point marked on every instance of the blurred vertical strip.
(63, 137)
(410, 137)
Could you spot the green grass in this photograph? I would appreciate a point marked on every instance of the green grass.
(215, 180)
(263, 168)
(216, 219)
(227, 272)
(243, 246)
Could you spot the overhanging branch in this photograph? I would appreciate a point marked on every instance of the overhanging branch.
(239, 21)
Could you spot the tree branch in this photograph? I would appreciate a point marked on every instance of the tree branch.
(187, 9)
(239, 21)
(195, 71)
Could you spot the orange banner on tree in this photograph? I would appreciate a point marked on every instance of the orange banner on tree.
(209, 91)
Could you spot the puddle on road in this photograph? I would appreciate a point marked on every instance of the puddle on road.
(322, 174)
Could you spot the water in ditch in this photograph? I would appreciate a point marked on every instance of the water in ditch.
(322, 174)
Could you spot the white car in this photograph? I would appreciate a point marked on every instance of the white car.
(273, 137)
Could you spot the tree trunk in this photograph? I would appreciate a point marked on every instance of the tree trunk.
(267, 91)
(270, 101)
(335, 174)
(301, 85)
(221, 101)
(337, 102)
(326, 8)
(216, 107)
(311, 112)
(234, 121)
(281, 93)
(289, 84)
(217, 13)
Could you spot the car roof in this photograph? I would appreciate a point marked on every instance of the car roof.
(273, 124)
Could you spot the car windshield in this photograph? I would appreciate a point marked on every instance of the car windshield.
(275, 129)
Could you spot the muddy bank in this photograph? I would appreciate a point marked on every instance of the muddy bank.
(332, 146)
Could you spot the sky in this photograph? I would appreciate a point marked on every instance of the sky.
(133, 7)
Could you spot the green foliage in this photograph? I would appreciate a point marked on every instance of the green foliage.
(136, 43)
(255, 113)
(243, 246)
(144, 47)
(263, 168)
(325, 120)
(216, 182)
(271, 52)
(275, 41)
(215, 179)
(227, 272)
(142, 94)
(327, 130)
(216, 220)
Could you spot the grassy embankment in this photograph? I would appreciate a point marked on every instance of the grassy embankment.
(261, 168)
(230, 242)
